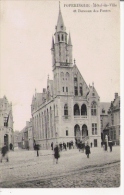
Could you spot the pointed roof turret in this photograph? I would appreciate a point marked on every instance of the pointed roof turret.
(69, 39)
(60, 24)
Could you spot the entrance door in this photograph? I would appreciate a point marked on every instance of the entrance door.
(95, 142)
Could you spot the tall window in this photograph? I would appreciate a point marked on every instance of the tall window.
(75, 77)
(66, 110)
(83, 110)
(75, 90)
(76, 109)
(66, 89)
(94, 129)
(63, 89)
(58, 38)
(66, 132)
(93, 109)
(80, 89)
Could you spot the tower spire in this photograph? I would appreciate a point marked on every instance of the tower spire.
(59, 7)
(60, 23)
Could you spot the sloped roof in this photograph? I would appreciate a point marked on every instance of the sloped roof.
(104, 106)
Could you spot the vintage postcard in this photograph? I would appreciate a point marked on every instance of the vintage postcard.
(60, 95)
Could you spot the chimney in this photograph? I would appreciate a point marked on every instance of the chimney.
(116, 95)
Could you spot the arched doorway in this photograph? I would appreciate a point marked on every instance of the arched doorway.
(84, 131)
(6, 140)
(77, 133)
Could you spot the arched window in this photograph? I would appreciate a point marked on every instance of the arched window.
(76, 109)
(66, 109)
(93, 109)
(81, 89)
(58, 38)
(83, 110)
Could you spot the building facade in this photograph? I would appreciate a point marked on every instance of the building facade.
(68, 109)
(104, 107)
(26, 136)
(114, 120)
(6, 123)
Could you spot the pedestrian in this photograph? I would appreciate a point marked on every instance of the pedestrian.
(52, 145)
(56, 153)
(87, 150)
(37, 147)
(110, 145)
(91, 144)
(4, 153)
(60, 146)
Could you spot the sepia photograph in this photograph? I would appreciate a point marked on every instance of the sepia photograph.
(60, 95)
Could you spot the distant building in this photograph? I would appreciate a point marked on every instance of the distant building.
(104, 107)
(6, 123)
(114, 120)
(16, 138)
(68, 109)
(27, 136)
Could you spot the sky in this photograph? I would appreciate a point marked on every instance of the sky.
(26, 34)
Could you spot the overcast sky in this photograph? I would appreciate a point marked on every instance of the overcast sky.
(26, 35)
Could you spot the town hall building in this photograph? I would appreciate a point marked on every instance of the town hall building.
(68, 109)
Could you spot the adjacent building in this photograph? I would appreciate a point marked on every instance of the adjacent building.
(104, 107)
(27, 136)
(114, 120)
(6, 123)
(67, 109)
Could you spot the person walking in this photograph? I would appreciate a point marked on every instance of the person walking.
(87, 150)
(110, 145)
(4, 153)
(52, 145)
(56, 153)
(37, 147)
(91, 144)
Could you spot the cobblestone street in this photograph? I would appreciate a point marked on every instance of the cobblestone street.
(75, 170)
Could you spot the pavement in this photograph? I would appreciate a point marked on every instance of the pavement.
(74, 169)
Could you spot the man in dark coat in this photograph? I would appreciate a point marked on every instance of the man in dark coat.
(37, 147)
(87, 150)
(52, 145)
(56, 153)
(110, 145)
(4, 152)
